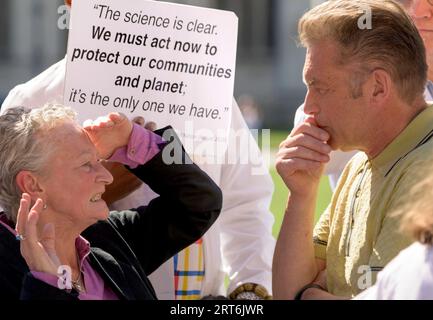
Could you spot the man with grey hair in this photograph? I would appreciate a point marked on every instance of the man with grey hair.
(421, 13)
(365, 92)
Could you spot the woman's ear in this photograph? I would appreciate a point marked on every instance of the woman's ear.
(27, 182)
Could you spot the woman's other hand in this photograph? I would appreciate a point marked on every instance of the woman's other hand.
(38, 250)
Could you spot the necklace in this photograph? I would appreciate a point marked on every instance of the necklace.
(78, 284)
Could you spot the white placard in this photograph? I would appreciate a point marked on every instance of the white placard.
(172, 64)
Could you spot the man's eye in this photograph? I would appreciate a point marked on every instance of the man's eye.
(322, 91)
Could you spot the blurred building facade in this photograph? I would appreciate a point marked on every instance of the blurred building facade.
(269, 63)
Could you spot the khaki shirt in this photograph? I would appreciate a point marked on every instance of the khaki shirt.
(358, 234)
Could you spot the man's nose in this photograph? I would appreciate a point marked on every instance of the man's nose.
(310, 105)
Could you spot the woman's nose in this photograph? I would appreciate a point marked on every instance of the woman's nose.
(104, 175)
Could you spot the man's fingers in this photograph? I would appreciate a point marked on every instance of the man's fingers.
(305, 140)
(301, 152)
(292, 165)
(311, 121)
(312, 130)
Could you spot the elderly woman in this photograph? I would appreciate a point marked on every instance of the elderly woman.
(57, 238)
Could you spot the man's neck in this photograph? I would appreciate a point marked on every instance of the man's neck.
(387, 131)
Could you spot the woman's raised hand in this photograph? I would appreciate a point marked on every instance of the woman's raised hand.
(108, 133)
(38, 251)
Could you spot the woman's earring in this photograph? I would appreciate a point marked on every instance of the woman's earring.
(45, 207)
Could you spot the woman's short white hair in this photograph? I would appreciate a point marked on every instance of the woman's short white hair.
(25, 145)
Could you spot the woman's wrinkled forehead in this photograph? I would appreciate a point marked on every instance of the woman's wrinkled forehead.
(66, 130)
(70, 140)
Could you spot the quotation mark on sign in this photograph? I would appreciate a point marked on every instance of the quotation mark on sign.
(96, 6)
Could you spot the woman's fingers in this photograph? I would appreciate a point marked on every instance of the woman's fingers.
(23, 212)
(102, 122)
(116, 117)
(108, 121)
(40, 254)
(106, 124)
(32, 220)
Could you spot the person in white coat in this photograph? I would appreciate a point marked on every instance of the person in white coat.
(240, 244)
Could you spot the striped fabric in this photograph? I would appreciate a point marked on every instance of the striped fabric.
(189, 272)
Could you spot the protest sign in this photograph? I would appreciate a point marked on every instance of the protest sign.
(172, 64)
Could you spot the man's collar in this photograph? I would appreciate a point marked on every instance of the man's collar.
(407, 141)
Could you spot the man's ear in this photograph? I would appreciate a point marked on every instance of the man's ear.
(28, 183)
(68, 2)
(381, 84)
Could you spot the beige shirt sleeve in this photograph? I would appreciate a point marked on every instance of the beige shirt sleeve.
(321, 235)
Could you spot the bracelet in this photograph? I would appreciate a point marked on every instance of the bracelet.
(250, 291)
(308, 286)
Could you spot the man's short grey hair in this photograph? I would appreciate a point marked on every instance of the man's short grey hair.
(392, 44)
(25, 145)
